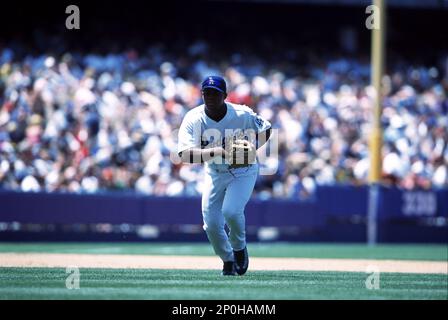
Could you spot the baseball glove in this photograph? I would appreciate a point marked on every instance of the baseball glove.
(240, 153)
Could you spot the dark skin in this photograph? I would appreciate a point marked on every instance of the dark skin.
(215, 109)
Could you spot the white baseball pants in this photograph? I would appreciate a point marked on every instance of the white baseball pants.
(225, 196)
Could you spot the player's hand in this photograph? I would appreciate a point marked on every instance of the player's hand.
(241, 153)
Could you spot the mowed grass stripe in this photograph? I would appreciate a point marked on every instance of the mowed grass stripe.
(434, 252)
(49, 283)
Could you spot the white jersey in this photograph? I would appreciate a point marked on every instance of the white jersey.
(198, 130)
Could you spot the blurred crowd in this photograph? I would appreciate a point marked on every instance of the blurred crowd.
(86, 122)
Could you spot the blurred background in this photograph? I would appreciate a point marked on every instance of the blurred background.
(87, 117)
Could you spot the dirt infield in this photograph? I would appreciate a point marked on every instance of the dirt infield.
(53, 260)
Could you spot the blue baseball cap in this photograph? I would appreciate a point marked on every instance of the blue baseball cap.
(215, 82)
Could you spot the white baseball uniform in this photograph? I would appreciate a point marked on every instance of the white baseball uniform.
(226, 191)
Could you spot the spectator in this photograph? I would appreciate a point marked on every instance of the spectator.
(89, 123)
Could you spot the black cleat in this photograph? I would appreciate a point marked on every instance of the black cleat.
(229, 269)
(241, 261)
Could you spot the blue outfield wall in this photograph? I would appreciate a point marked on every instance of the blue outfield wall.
(336, 213)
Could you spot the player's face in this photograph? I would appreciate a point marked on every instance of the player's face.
(213, 98)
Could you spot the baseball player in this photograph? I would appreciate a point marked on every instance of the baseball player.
(224, 136)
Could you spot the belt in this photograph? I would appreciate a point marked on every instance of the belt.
(228, 169)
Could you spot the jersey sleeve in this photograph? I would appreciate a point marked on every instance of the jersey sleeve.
(188, 136)
(258, 123)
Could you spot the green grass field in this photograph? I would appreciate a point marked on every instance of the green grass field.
(294, 250)
(49, 283)
(39, 283)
